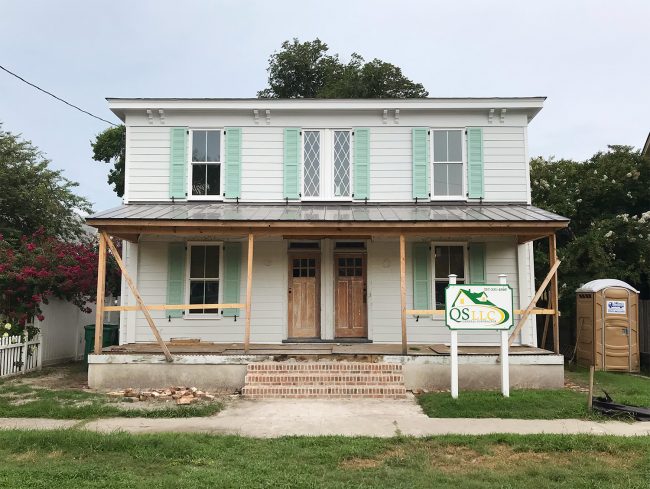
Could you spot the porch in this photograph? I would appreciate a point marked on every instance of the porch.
(390, 228)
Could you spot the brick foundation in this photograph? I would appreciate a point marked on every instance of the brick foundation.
(335, 380)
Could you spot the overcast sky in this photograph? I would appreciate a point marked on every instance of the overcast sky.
(590, 58)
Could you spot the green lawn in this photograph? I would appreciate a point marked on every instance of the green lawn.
(18, 400)
(539, 404)
(79, 459)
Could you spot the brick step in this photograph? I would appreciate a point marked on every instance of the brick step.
(347, 367)
(324, 378)
(325, 391)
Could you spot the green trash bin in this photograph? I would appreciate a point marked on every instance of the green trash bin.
(111, 337)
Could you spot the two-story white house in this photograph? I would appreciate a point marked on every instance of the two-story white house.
(320, 227)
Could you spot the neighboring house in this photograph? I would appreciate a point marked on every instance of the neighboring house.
(324, 189)
(646, 147)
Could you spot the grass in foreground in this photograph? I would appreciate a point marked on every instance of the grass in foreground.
(79, 459)
(19, 400)
(539, 404)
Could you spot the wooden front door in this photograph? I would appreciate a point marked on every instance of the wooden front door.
(351, 318)
(304, 295)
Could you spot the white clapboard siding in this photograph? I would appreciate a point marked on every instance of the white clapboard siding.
(269, 304)
(147, 162)
(390, 164)
(505, 166)
(268, 315)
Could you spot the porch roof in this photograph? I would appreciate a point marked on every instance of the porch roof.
(228, 218)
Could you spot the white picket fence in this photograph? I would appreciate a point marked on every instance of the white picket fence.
(19, 355)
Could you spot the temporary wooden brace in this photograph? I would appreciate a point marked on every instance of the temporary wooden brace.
(402, 286)
(441, 312)
(531, 306)
(552, 259)
(101, 287)
(172, 307)
(249, 290)
(138, 298)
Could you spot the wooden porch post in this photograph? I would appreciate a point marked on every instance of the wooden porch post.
(554, 296)
(101, 287)
(402, 286)
(249, 291)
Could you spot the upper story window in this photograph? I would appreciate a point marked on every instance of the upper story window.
(204, 274)
(327, 164)
(205, 165)
(447, 163)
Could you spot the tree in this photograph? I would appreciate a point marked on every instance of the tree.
(109, 146)
(35, 268)
(33, 196)
(306, 70)
(607, 199)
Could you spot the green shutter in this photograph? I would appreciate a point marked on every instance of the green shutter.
(178, 163)
(477, 273)
(475, 184)
(420, 163)
(291, 163)
(421, 276)
(231, 276)
(175, 277)
(361, 171)
(233, 162)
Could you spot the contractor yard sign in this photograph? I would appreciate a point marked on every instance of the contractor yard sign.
(481, 307)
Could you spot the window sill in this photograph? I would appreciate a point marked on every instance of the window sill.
(202, 316)
(205, 197)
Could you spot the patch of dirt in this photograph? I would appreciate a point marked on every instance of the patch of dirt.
(458, 459)
(28, 456)
(21, 401)
(371, 463)
(65, 376)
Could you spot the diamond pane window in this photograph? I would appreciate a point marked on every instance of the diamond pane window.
(341, 163)
(312, 145)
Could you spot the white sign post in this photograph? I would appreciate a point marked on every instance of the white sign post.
(479, 307)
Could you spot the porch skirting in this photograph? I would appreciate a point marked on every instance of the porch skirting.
(227, 372)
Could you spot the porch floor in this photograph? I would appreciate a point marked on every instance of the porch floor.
(315, 349)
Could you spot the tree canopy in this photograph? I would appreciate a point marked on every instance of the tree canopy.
(607, 199)
(307, 70)
(34, 196)
(109, 146)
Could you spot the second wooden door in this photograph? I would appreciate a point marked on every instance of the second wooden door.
(350, 297)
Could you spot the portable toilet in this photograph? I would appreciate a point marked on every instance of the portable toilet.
(607, 314)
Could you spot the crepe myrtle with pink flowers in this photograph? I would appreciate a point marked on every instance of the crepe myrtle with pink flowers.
(37, 267)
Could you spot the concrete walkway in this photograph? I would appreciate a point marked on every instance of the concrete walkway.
(384, 418)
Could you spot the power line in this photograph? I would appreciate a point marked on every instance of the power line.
(58, 98)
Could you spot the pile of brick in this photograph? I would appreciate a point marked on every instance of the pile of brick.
(181, 395)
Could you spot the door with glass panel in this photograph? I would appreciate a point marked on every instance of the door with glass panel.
(350, 296)
(304, 295)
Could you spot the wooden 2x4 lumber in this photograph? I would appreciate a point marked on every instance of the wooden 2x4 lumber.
(249, 291)
(138, 298)
(402, 286)
(441, 312)
(172, 307)
(531, 306)
(101, 288)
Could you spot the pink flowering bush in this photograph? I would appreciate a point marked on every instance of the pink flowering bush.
(37, 267)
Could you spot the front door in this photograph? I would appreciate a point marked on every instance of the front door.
(350, 296)
(304, 295)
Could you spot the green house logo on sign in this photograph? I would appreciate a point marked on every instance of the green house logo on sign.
(487, 307)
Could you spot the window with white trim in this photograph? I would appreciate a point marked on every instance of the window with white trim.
(447, 163)
(327, 164)
(447, 259)
(205, 158)
(204, 274)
